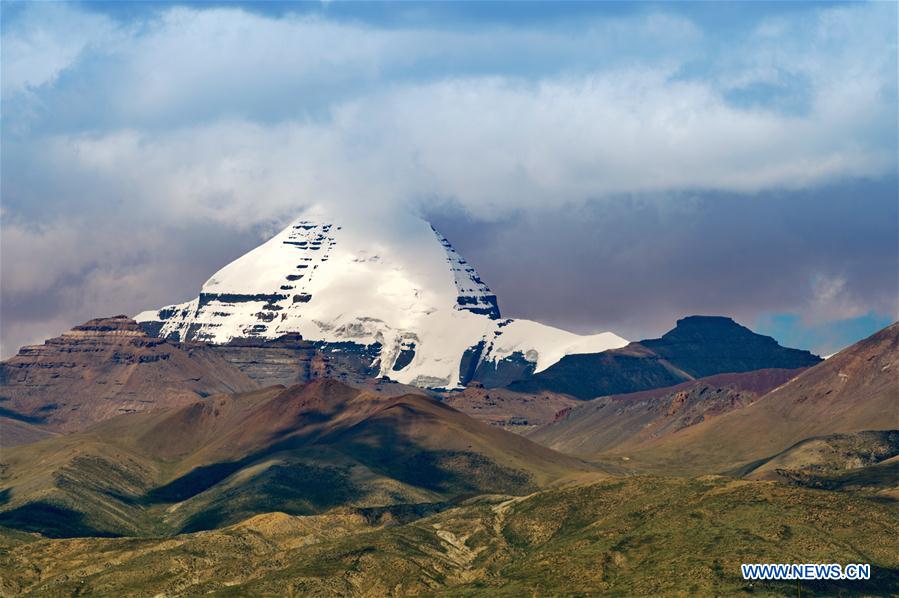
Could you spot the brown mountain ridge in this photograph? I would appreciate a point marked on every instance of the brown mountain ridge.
(628, 420)
(302, 450)
(854, 391)
(104, 368)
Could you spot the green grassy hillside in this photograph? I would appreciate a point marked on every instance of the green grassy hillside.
(632, 537)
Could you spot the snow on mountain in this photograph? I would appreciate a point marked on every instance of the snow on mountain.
(545, 345)
(408, 295)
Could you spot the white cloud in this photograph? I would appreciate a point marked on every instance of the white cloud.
(47, 40)
(832, 298)
(492, 144)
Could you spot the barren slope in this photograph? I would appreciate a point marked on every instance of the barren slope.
(621, 422)
(854, 391)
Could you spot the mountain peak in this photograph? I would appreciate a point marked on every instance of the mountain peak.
(707, 345)
(697, 347)
(473, 294)
(394, 291)
(700, 320)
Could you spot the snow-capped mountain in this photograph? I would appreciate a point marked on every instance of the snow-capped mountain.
(410, 299)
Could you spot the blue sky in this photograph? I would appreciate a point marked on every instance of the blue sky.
(671, 158)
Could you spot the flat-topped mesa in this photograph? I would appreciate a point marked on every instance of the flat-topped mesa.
(95, 336)
(390, 291)
(711, 328)
(121, 324)
(116, 326)
(708, 345)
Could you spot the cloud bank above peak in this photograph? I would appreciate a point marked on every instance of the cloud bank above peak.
(209, 110)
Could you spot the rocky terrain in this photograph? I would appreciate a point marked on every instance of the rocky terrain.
(373, 488)
(14, 432)
(104, 368)
(852, 391)
(514, 411)
(509, 394)
(808, 460)
(291, 360)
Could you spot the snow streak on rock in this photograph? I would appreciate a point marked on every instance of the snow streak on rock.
(473, 294)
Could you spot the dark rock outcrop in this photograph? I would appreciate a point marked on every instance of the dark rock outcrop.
(495, 374)
(708, 345)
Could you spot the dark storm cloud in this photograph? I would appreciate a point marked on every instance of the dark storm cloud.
(635, 265)
(60, 276)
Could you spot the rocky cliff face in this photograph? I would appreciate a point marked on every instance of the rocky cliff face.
(512, 411)
(291, 360)
(107, 367)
